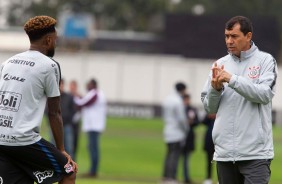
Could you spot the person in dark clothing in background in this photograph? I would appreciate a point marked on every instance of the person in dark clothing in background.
(68, 111)
(209, 146)
(189, 146)
(76, 118)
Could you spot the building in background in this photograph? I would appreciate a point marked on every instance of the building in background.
(76, 30)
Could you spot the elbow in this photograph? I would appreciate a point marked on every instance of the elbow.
(263, 99)
(268, 98)
(265, 102)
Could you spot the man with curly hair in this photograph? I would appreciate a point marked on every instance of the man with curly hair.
(27, 81)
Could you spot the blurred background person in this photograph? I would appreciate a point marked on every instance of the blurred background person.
(189, 146)
(73, 88)
(68, 111)
(209, 146)
(175, 128)
(93, 112)
(76, 118)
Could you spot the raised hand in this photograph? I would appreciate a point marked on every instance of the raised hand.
(215, 82)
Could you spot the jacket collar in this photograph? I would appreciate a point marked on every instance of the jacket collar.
(248, 53)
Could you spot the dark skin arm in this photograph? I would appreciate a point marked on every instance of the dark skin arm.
(56, 124)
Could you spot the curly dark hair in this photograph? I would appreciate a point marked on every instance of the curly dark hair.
(39, 26)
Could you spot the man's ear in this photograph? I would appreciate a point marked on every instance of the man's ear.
(249, 36)
(48, 40)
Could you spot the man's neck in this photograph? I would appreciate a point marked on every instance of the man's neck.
(37, 47)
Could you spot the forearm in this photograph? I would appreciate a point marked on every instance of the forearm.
(210, 98)
(257, 93)
(56, 125)
(258, 90)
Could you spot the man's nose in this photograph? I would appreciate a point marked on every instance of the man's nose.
(229, 40)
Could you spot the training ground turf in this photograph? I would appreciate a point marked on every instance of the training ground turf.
(132, 152)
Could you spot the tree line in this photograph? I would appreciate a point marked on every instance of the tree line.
(140, 15)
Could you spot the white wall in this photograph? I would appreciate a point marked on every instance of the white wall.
(12, 40)
(145, 79)
(135, 78)
(141, 78)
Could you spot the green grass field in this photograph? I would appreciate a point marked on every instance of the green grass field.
(132, 152)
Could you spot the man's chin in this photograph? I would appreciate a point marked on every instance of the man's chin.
(233, 52)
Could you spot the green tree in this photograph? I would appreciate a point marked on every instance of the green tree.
(139, 15)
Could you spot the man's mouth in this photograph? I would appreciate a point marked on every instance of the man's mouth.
(231, 48)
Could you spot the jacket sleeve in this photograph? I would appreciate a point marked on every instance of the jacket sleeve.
(262, 91)
(210, 97)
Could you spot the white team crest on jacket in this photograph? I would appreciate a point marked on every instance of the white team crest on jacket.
(254, 72)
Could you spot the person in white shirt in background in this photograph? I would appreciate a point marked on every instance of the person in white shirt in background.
(93, 111)
(175, 128)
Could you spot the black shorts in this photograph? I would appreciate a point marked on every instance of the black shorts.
(40, 162)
